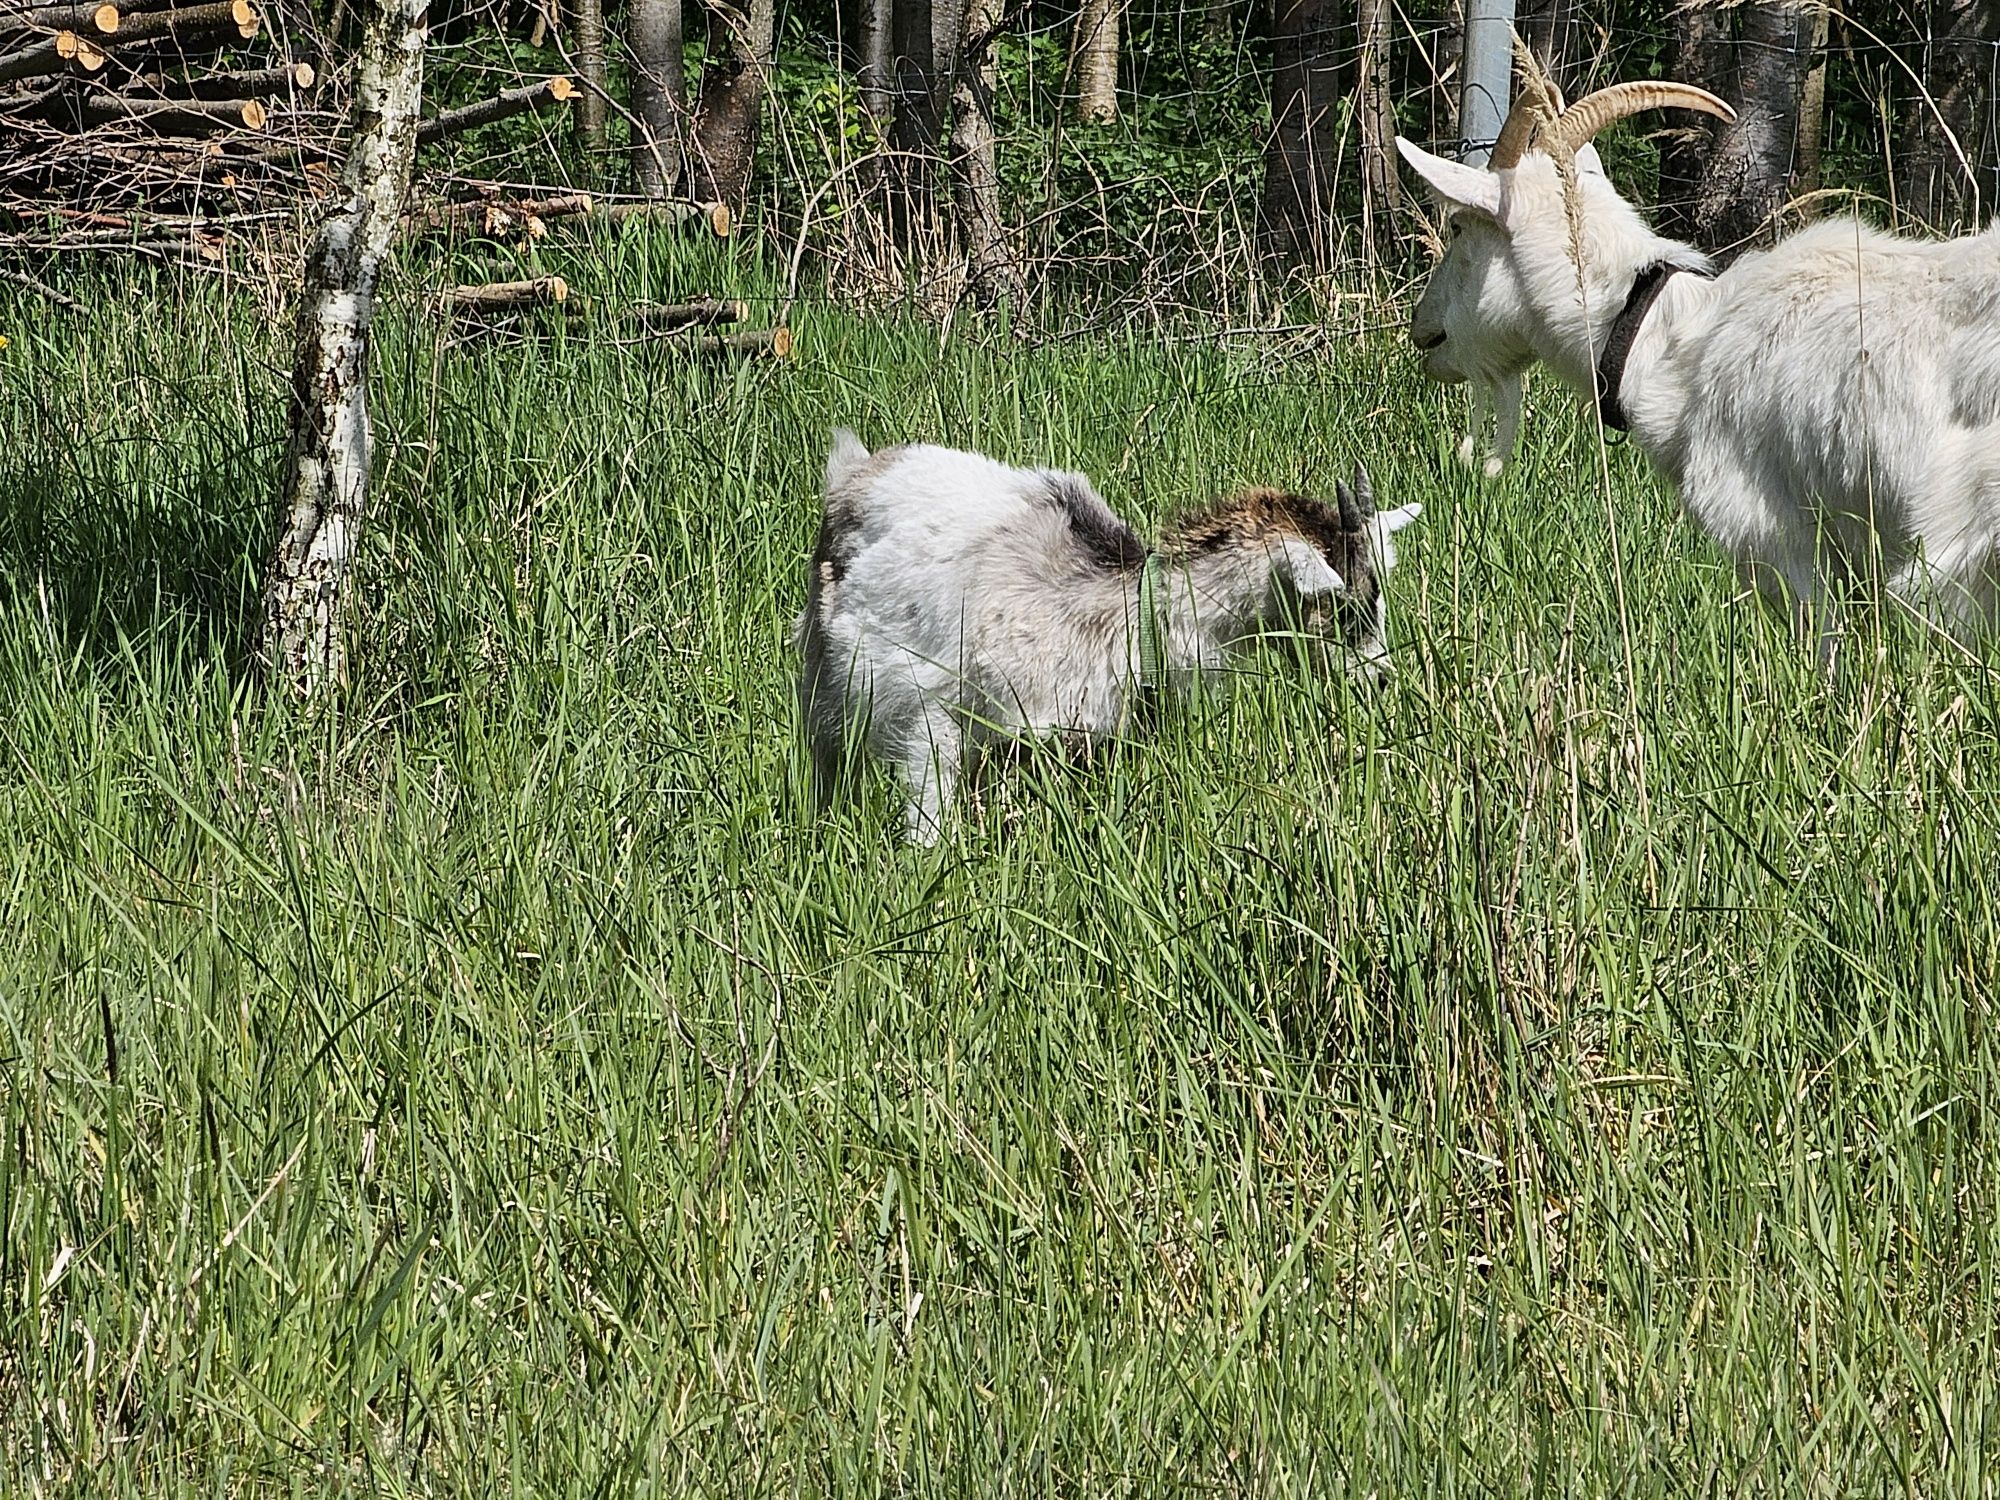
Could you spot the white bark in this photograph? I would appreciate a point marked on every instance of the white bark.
(326, 459)
(1097, 60)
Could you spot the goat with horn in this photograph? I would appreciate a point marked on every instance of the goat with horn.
(1827, 407)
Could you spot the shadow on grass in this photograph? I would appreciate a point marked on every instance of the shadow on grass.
(107, 568)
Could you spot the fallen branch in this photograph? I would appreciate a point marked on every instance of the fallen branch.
(57, 54)
(776, 342)
(497, 218)
(704, 312)
(22, 278)
(168, 117)
(191, 21)
(259, 83)
(715, 216)
(497, 296)
(545, 95)
(97, 19)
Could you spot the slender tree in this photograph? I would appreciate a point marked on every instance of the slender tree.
(659, 94)
(1381, 195)
(1097, 60)
(325, 496)
(731, 106)
(993, 271)
(919, 113)
(1950, 159)
(591, 109)
(1553, 30)
(877, 78)
(1299, 162)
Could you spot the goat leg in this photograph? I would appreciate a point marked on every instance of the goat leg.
(1505, 397)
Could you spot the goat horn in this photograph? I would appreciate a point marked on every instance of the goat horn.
(1364, 491)
(1524, 121)
(1350, 511)
(1590, 114)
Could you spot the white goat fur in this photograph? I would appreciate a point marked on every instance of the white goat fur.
(1834, 395)
(955, 600)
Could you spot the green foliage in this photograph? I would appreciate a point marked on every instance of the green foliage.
(1568, 1069)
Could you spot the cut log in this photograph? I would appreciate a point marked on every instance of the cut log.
(173, 117)
(90, 19)
(776, 342)
(497, 218)
(187, 22)
(704, 312)
(260, 83)
(497, 296)
(715, 217)
(547, 94)
(62, 53)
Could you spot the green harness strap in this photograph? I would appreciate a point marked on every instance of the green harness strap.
(1152, 637)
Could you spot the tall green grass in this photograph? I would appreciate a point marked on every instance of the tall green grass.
(1570, 1070)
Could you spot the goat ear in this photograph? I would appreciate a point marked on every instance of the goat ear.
(1587, 159)
(1393, 521)
(1310, 573)
(1458, 185)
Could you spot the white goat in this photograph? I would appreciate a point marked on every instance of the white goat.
(954, 601)
(1814, 403)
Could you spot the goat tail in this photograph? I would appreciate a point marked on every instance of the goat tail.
(845, 460)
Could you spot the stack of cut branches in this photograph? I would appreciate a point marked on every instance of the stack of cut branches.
(146, 120)
(165, 127)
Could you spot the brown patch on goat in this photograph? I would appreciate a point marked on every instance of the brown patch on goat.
(1255, 518)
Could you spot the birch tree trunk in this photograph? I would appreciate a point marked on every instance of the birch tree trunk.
(1961, 55)
(659, 94)
(1097, 60)
(1381, 196)
(1748, 179)
(306, 587)
(1297, 209)
(732, 100)
(993, 272)
(591, 112)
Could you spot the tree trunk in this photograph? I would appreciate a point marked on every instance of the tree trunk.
(1553, 30)
(591, 112)
(1380, 193)
(913, 134)
(878, 67)
(1701, 57)
(1297, 209)
(326, 459)
(1812, 111)
(1748, 180)
(659, 95)
(1960, 56)
(732, 100)
(993, 272)
(1097, 60)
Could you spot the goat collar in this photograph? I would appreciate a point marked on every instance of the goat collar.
(1152, 627)
(1647, 286)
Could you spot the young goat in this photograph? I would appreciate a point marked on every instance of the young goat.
(1825, 407)
(954, 600)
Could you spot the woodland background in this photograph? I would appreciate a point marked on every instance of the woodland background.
(1173, 155)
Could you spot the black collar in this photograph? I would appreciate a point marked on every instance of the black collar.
(1624, 328)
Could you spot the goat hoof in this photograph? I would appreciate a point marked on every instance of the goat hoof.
(1494, 467)
(1465, 450)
